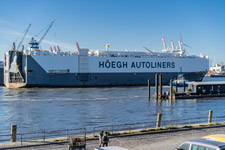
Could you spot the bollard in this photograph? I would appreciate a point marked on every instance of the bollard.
(160, 86)
(184, 86)
(158, 122)
(13, 133)
(156, 86)
(149, 89)
(210, 116)
(171, 89)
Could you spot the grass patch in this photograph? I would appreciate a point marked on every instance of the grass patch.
(203, 125)
(60, 140)
(170, 127)
(148, 130)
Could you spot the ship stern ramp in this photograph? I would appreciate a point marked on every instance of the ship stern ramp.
(13, 76)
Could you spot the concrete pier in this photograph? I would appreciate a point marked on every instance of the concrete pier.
(196, 90)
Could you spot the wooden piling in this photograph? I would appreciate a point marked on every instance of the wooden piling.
(156, 86)
(149, 92)
(160, 86)
(158, 121)
(171, 89)
(184, 87)
(176, 87)
(210, 116)
(13, 133)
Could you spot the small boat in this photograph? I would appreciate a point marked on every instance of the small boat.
(180, 81)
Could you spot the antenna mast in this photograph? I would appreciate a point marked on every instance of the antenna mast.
(46, 31)
(24, 36)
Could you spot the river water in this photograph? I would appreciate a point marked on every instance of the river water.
(35, 109)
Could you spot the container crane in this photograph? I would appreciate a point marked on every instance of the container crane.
(46, 31)
(24, 36)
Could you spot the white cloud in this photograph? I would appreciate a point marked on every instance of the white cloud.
(61, 44)
(3, 45)
(17, 35)
(3, 22)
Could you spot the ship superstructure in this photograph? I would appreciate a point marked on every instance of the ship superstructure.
(39, 68)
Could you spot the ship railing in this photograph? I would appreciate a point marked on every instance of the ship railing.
(44, 136)
(165, 124)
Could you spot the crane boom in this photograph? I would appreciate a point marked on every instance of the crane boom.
(24, 36)
(46, 31)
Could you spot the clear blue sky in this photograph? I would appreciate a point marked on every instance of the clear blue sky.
(129, 24)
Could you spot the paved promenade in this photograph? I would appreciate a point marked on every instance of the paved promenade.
(163, 141)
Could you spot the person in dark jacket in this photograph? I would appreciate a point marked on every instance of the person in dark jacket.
(105, 139)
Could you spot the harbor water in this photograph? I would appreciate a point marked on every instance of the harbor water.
(37, 109)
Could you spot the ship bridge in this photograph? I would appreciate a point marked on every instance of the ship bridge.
(33, 45)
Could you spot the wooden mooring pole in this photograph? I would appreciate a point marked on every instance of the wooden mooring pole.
(156, 86)
(160, 86)
(184, 87)
(13, 133)
(210, 116)
(176, 87)
(158, 121)
(171, 89)
(149, 90)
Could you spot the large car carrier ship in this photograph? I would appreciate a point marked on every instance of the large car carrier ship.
(40, 68)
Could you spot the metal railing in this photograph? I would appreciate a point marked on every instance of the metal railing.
(57, 135)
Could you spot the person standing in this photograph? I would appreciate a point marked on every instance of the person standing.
(105, 139)
(101, 138)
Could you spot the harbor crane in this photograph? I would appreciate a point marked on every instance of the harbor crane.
(23, 36)
(46, 31)
(147, 49)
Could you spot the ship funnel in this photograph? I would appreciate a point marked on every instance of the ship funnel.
(78, 47)
(51, 49)
(55, 49)
(58, 48)
(164, 43)
(172, 44)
